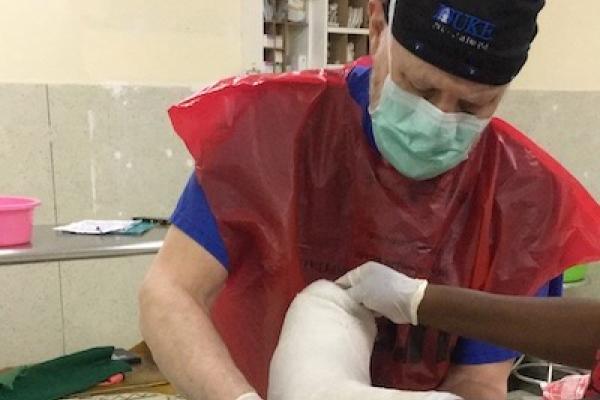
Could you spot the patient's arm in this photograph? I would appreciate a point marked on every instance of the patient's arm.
(325, 348)
(560, 330)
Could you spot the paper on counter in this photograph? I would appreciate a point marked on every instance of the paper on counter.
(97, 227)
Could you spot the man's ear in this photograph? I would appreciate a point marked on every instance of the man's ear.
(377, 24)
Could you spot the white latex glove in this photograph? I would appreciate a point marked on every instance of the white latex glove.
(385, 291)
(324, 351)
(249, 396)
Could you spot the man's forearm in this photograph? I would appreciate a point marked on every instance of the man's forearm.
(530, 325)
(187, 347)
(478, 382)
(475, 390)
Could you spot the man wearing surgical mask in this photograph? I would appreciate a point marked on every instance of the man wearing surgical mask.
(394, 159)
(426, 118)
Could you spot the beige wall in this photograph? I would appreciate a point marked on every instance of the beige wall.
(192, 42)
(565, 54)
(154, 42)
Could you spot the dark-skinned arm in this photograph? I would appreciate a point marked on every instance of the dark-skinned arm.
(561, 330)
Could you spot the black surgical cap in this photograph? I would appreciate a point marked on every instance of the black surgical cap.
(482, 41)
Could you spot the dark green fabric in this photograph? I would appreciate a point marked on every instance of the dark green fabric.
(64, 376)
(7, 379)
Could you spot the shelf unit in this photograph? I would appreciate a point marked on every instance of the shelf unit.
(274, 46)
(285, 43)
(343, 40)
(308, 44)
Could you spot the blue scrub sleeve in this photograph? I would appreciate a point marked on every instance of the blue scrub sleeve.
(194, 217)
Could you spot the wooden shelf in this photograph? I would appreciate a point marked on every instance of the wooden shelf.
(301, 24)
(297, 24)
(348, 31)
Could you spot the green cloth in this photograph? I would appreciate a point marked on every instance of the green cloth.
(63, 376)
(7, 379)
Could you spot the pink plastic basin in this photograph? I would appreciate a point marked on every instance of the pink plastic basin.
(16, 220)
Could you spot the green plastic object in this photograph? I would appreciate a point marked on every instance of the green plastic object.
(575, 274)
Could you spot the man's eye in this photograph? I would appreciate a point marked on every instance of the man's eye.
(428, 93)
(468, 108)
(420, 88)
(425, 92)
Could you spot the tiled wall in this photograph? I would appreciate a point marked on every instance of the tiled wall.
(109, 152)
(567, 125)
(85, 151)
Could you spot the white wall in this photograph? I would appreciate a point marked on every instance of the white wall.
(151, 42)
(192, 42)
(565, 55)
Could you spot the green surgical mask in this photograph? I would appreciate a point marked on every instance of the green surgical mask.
(417, 138)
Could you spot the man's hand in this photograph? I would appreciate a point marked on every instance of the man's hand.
(385, 291)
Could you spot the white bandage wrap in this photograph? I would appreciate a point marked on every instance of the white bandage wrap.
(416, 301)
(249, 396)
(325, 348)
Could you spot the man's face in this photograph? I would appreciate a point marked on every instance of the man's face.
(447, 92)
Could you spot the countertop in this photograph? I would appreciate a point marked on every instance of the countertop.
(49, 245)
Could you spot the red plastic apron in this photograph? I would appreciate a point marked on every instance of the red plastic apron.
(299, 195)
(594, 391)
